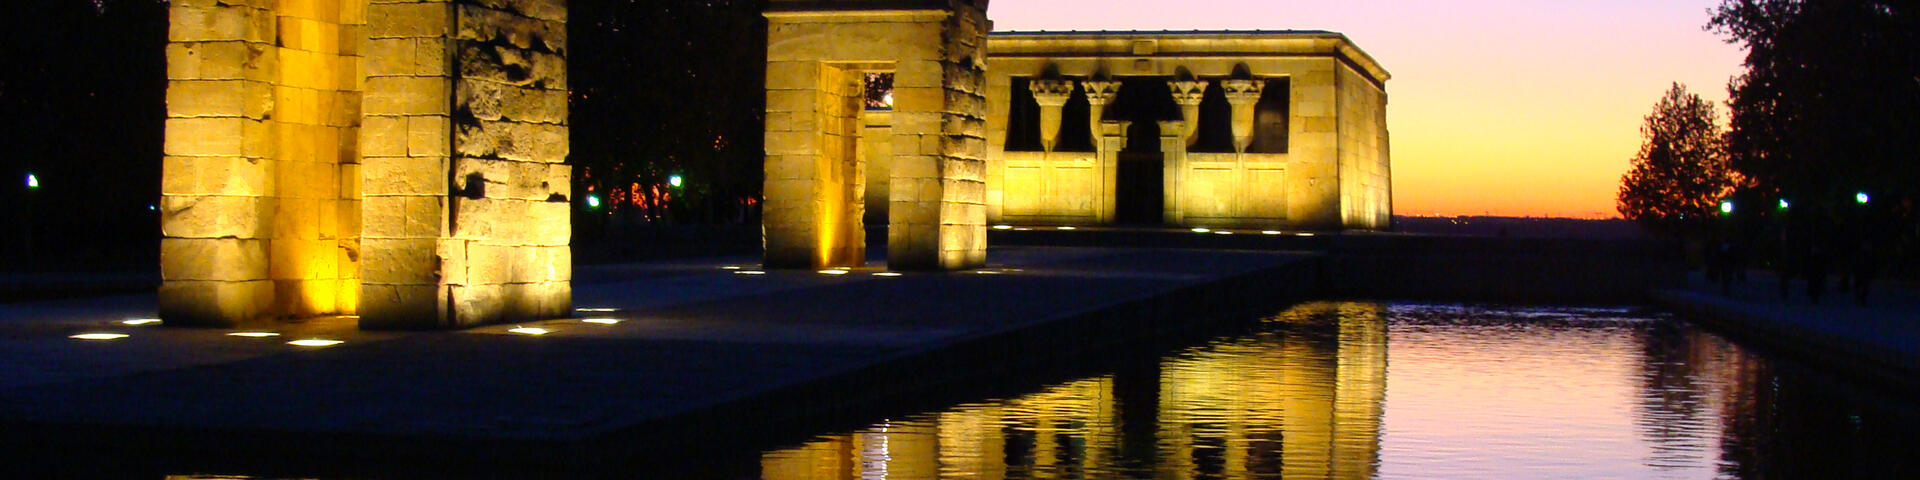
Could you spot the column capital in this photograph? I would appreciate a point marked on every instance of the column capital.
(1243, 92)
(1051, 92)
(1100, 92)
(1188, 92)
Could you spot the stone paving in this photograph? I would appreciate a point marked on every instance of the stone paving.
(1884, 331)
(689, 335)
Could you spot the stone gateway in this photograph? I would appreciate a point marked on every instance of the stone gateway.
(399, 160)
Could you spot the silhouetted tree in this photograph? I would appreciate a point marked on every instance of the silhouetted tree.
(1680, 174)
(1826, 111)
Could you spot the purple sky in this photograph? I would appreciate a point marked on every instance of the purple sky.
(1526, 108)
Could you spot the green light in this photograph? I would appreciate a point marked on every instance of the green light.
(593, 201)
(673, 180)
(32, 181)
(1861, 198)
(1784, 204)
(1726, 206)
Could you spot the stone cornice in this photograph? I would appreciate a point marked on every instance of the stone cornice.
(1187, 44)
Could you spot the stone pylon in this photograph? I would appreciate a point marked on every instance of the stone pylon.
(816, 53)
(403, 161)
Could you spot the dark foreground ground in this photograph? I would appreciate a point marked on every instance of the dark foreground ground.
(702, 352)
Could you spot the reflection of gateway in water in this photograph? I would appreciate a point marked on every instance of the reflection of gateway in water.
(1310, 408)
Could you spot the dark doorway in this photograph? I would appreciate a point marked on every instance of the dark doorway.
(1138, 189)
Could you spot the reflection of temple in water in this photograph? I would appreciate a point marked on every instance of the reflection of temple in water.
(1301, 400)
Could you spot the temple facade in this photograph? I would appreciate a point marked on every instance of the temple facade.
(1279, 129)
(1194, 129)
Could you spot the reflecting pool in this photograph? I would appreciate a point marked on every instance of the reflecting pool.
(1350, 390)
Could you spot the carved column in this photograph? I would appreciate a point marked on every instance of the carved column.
(1243, 94)
(1110, 138)
(1099, 94)
(1188, 94)
(1173, 144)
(1052, 95)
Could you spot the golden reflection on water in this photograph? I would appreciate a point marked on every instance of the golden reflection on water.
(1302, 401)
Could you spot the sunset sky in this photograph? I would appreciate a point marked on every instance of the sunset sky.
(1501, 107)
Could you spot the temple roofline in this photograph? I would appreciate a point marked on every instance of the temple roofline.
(1187, 43)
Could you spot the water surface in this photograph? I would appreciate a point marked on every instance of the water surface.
(1364, 390)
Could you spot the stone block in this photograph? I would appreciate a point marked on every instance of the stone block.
(423, 19)
(493, 25)
(391, 56)
(551, 10)
(407, 96)
(215, 216)
(525, 142)
(212, 303)
(218, 98)
(403, 217)
(296, 218)
(223, 176)
(383, 136)
(222, 259)
(199, 137)
(308, 34)
(496, 102)
(219, 23)
(490, 219)
(511, 66)
(549, 224)
(400, 261)
(428, 136)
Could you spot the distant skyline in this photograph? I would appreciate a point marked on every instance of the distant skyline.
(1500, 107)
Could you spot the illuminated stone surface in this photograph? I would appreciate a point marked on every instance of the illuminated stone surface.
(402, 160)
(817, 56)
(1330, 170)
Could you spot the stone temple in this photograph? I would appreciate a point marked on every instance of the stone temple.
(1256, 129)
(405, 161)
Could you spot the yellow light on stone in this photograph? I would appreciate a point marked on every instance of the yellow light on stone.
(600, 321)
(1304, 234)
(730, 267)
(99, 336)
(834, 271)
(253, 334)
(1269, 232)
(1222, 232)
(596, 309)
(1002, 227)
(886, 274)
(140, 321)
(314, 342)
(530, 331)
(1201, 230)
(1067, 228)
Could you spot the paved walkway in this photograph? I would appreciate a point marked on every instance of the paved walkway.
(690, 335)
(1884, 331)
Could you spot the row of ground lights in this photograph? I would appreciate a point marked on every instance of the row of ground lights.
(831, 272)
(321, 342)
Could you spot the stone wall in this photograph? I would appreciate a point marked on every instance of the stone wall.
(260, 194)
(402, 160)
(1366, 179)
(936, 210)
(1053, 187)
